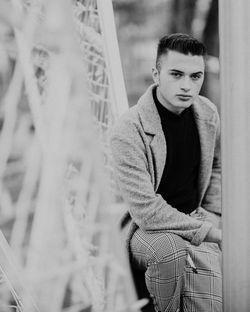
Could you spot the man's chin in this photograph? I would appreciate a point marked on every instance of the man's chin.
(183, 104)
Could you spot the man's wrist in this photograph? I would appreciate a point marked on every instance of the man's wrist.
(214, 236)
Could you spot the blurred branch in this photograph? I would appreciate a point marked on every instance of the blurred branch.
(9, 14)
(15, 278)
(10, 114)
(24, 41)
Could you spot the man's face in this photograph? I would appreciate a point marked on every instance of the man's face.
(179, 80)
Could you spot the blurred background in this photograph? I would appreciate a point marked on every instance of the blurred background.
(35, 38)
(140, 24)
(55, 112)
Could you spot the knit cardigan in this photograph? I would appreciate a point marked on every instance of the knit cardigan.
(139, 151)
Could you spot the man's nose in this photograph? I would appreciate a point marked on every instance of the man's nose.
(185, 84)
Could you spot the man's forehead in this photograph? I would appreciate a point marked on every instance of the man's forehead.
(174, 60)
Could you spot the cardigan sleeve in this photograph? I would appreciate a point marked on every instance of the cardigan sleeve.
(147, 208)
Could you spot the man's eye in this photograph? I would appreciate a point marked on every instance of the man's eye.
(176, 75)
(196, 77)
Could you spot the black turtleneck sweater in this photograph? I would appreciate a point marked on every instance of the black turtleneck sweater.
(178, 184)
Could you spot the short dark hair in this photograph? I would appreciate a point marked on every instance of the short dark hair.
(179, 42)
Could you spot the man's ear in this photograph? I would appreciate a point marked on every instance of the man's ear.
(155, 75)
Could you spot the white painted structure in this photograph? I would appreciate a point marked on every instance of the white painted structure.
(235, 114)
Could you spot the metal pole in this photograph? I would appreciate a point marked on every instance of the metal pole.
(234, 18)
(112, 54)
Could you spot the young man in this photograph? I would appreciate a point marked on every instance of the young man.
(167, 166)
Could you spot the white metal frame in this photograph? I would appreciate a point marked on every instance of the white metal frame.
(112, 56)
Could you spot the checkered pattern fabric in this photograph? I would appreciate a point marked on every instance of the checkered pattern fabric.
(171, 281)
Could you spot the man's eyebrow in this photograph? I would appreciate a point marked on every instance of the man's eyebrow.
(181, 72)
(176, 71)
(198, 73)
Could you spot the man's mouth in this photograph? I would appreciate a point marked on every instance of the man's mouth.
(184, 97)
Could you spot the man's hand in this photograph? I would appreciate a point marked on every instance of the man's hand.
(204, 215)
(214, 236)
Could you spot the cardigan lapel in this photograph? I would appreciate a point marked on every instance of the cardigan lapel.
(207, 132)
(151, 123)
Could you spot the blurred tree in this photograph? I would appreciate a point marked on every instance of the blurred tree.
(210, 33)
(183, 13)
(210, 37)
(130, 12)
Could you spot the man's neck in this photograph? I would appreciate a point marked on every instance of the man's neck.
(167, 105)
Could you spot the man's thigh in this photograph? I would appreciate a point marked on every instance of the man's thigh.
(203, 290)
(163, 258)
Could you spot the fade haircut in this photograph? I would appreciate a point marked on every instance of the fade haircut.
(182, 43)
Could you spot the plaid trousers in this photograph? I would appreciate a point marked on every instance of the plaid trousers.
(170, 280)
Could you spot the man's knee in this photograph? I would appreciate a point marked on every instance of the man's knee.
(164, 247)
(148, 248)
